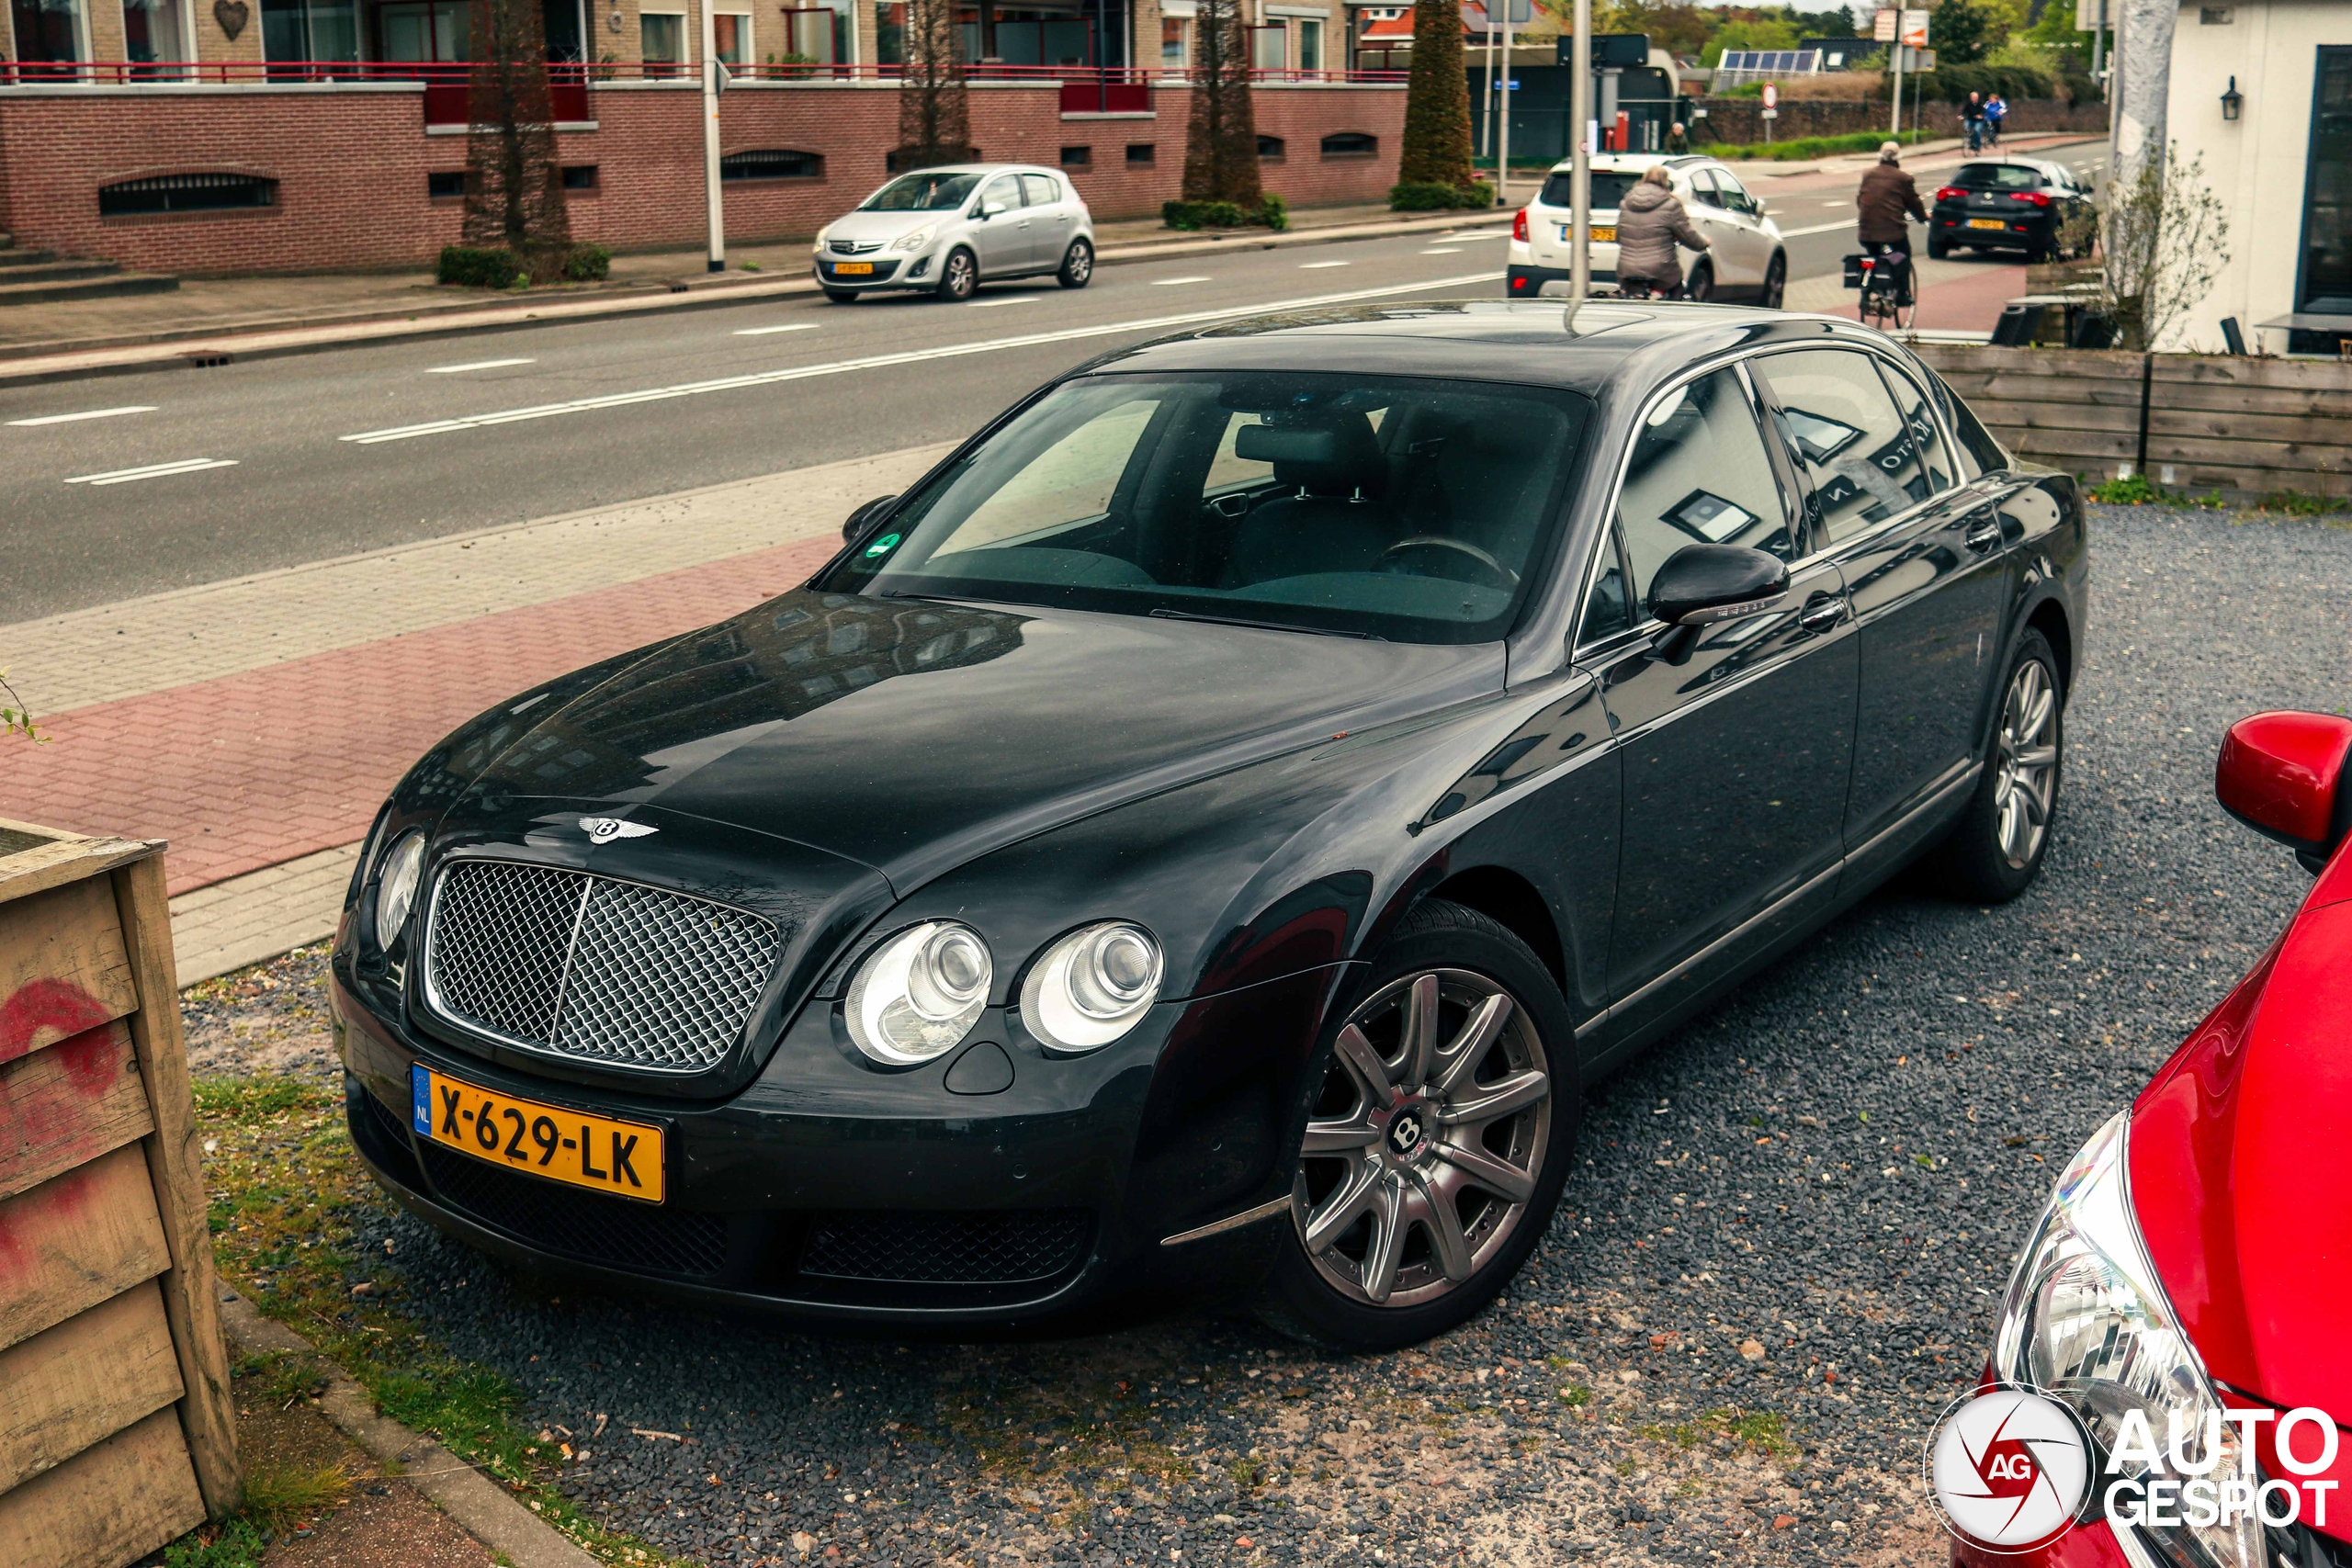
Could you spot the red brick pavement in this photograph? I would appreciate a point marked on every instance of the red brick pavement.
(1972, 303)
(251, 770)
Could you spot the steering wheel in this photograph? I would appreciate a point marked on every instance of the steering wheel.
(1491, 573)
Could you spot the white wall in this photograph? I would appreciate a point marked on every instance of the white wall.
(2255, 166)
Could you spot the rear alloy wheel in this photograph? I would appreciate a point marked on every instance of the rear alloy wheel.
(1702, 286)
(1437, 1142)
(1776, 282)
(1077, 265)
(1997, 849)
(959, 276)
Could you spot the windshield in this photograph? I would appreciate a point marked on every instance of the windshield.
(1609, 189)
(1998, 176)
(1408, 510)
(925, 190)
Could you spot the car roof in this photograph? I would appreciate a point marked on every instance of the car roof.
(980, 169)
(1630, 163)
(1614, 345)
(2040, 166)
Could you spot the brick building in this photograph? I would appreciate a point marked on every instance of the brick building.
(201, 136)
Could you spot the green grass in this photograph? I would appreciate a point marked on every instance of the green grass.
(286, 1190)
(1763, 1430)
(1811, 146)
(2138, 490)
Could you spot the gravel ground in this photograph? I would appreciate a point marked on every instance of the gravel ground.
(1779, 1260)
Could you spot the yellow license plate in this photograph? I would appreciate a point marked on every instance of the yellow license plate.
(1602, 234)
(571, 1146)
(866, 269)
(1987, 224)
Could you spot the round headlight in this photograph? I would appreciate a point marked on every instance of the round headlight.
(396, 888)
(1092, 986)
(920, 993)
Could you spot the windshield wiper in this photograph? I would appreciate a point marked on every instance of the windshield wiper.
(1261, 625)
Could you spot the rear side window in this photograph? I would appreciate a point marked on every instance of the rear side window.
(1979, 453)
(1926, 440)
(1609, 189)
(1998, 176)
(1042, 190)
(1842, 429)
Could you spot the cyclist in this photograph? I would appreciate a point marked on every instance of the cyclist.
(1888, 196)
(1972, 121)
(1650, 223)
(1997, 109)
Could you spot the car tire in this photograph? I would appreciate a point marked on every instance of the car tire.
(1702, 283)
(1077, 265)
(1938, 249)
(1776, 282)
(841, 296)
(1997, 849)
(959, 276)
(1381, 1277)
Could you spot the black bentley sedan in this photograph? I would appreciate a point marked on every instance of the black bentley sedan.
(2012, 204)
(1201, 840)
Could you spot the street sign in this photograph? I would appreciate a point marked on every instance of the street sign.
(1914, 31)
(1771, 114)
(1771, 97)
(1882, 26)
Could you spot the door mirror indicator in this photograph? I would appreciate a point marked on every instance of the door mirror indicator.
(1700, 584)
(2282, 774)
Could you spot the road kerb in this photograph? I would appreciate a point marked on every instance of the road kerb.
(479, 1506)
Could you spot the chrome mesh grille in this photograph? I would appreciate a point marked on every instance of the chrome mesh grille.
(603, 971)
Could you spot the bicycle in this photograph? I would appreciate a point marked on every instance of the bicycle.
(1885, 282)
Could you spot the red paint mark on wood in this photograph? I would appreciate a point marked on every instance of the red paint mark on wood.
(44, 1010)
(47, 1208)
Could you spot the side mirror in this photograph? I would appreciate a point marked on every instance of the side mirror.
(1704, 583)
(857, 520)
(991, 208)
(2282, 774)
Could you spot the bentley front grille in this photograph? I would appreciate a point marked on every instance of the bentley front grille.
(587, 967)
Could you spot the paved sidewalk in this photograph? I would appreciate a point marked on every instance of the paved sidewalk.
(257, 724)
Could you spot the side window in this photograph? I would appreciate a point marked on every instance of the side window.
(1979, 453)
(1735, 195)
(1702, 186)
(1925, 439)
(1842, 429)
(1002, 191)
(1042, 190)
(1699, 474)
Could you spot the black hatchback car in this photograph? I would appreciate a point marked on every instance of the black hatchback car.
(2013, 204)
(1204, 835)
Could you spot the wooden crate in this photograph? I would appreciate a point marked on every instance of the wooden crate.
(2218, 422)
(116, 1432)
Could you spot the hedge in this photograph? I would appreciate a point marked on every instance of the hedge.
(1271, 212)
(474, 266)
(1430, 196)
(1815, 146)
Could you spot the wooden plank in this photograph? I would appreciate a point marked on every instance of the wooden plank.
(2290, 456)
(2067, 414)
(2100, 365)
(68, 1105)
(2291, 400)
(2233, 370)
(75, 1240)
(2056, 444)
(108, 1506)
(83, 1382)
(69, 859)
(2053, 393)
(2319, 432)
(191, 1288)
(63, 967)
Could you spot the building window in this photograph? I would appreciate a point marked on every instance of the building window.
(732, 36)
(187, 193)
(46, 30)
(1142, 154)
(771, 164)
(2327, 282)
(1078, 157)
(310, 31)
(1269, 47)
(155, 31)
(815, 35)
(1310, 45)
(1271, 149)
(891, 32)
(1174, 54)
(662, 39)
(446, 184)
(425, 30)
(580, 176)
(1350, 144)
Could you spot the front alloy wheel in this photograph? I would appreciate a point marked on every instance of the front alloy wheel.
(1436, 1140)
(1997, 848)
(959, 274)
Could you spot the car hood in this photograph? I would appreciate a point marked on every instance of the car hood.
(911, 735)
(885, 226)
(2238, 1175)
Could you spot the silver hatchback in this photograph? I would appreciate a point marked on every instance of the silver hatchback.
(946, 228)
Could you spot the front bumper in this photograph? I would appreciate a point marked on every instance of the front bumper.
(826, 1190)
(889, 271)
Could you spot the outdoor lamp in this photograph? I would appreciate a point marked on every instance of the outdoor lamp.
(2232, 100)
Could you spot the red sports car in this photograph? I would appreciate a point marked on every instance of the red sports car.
(2194, 1267)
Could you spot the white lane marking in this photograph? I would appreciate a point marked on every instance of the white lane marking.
(153, 471)
(1441, 253)
(1171, 282)
(1818, 229)
(910, 356)
(1312, 267)
(1007, 299)
(477, 365)
(1481, 234)
(762, 331)
(87, 414)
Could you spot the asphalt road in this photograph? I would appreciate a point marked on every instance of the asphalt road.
(259, 466)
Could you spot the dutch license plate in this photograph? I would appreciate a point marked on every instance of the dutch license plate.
(1987, 224)
(866, 269)
(595, 1152)
(1602, 233)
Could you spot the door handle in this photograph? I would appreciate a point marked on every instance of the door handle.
(1822, 614)
(1984, 532)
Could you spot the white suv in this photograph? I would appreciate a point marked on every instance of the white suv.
(1744, 258)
